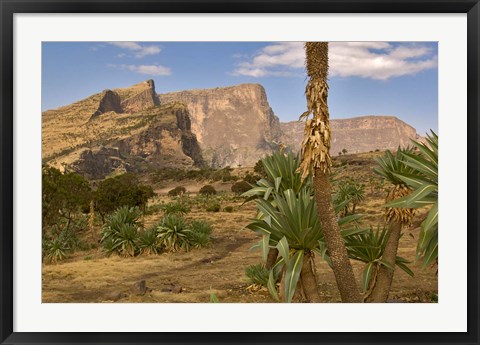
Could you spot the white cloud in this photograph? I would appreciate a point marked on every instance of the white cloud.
(156, 70)
(138, 50)
(375, 60)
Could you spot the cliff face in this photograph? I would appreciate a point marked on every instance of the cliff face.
(234, 125)
(359, 134)
(133, 129)
(119, 130)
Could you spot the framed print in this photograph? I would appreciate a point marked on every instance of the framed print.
(246, 172)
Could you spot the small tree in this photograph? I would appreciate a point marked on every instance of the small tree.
(63, 195)
(122, 190)
(344, 151)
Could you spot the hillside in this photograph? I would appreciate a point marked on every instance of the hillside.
(119, 130)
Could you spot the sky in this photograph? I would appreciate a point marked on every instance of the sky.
(365, 78)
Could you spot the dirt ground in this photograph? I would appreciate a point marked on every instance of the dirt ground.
(90, 276)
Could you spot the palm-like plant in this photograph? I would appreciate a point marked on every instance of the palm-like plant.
(368, 247)
(389, 165)
(293, 227)
(173, 233)
(349, 192)
(280, 171)
(423, 179)
(120, 232)
(316, 159)
(291, 224)
(148, 242)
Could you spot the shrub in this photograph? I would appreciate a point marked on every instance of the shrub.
(177, 191)
(228, 209)
(173, 233)
(201, 226)
(257, 274)
(122, 190)
(241, 187)
(200, 233)
(120, 231)
(64, 196)
(213, 207)
(148, 242)
(62, 241)
(54, 250)
(259, 168)
(207, 190)
(175, 208)
(252, 178)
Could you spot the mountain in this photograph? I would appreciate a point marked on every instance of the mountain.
(234, 125)
(119, 130)
(136, 129)
(358, 134)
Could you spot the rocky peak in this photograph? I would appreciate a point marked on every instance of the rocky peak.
(139, 97)
(109, 101)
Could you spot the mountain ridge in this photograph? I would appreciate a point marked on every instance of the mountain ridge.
(128, 129)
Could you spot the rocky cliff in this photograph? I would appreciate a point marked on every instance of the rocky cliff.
(234, 125)
(119, 130)
(134, 129)
(359, 134)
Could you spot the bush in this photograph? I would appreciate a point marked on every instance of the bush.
(257, 274)
(200, 233)
(177, 191)
(241, 187)
(122, 190)
(228, 209)
(120, 231)
(148, 242)
(175, 208)
(64, 196)
(213, 207)
(207, 190)
(62, 240)
(260, 169)
(174, 233)
(252, 178)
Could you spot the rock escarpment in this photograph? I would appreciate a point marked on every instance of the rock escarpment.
(359, 134)
(234, 125)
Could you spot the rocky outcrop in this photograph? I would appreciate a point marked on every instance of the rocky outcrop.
(110, 101)
(359, 134)
(99, 162)
(234, 125)
(143, 96)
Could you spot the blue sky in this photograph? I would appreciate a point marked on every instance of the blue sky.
(366, 78)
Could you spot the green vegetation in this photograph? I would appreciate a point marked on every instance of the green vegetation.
(175, 208)
(241, 187)
(177, 191)
(174, 233)
(120, 231)
(213, 207)
(349, 193)
(207, 190)
(122, 190)
(207, 174)
(257, 274)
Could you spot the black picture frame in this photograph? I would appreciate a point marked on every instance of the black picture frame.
(9, 7)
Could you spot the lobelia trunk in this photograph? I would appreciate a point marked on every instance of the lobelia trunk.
(308, 279)
(381, 287)
(341, 266)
